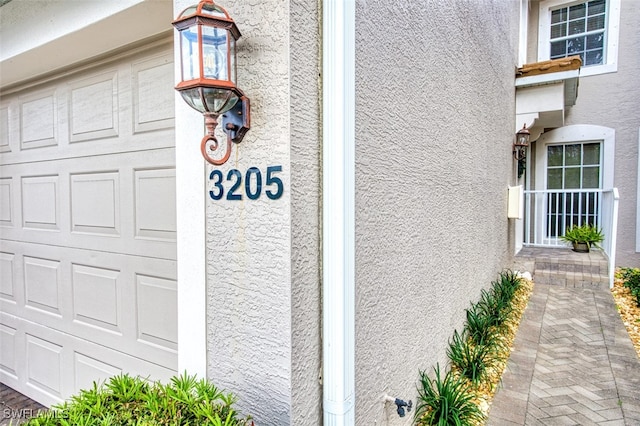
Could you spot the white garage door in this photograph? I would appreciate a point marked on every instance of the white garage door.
(88, 228)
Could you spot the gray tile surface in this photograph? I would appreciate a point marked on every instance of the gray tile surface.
(573, 363)
(16, 408)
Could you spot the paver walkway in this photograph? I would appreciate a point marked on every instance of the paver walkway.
(16, 408)
(573, 363)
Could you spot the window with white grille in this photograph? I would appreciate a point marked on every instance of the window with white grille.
(585, 28)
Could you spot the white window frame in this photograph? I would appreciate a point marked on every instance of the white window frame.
(612, 35)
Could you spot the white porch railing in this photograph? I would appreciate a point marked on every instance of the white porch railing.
(549, 213)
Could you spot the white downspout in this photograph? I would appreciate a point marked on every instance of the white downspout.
(338, 225)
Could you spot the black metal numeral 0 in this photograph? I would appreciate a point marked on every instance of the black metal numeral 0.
(247, 183)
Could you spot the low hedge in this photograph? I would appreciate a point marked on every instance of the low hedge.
(127, 401)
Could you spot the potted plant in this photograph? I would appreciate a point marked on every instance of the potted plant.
(583, 237)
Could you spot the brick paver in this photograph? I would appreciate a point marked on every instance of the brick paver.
(573, 363)
(16, 408)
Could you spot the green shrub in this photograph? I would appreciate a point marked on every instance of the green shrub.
(127, 401)
(471, 360)
(506, 286)
(631, 278)
(445, 402)
(588, 234)
(479, 325)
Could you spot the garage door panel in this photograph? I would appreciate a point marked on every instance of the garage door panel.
(88, 228)
(95, 202)
(127, 303)
(95, 295)
(119, 203)
(7, 283)
(4, 129)
(40, 205)
(125, 108)
(93, 108)
(38, 120)
(155, 214)
(153, 105)
(49, 365)
(8, 364)
(42, 284)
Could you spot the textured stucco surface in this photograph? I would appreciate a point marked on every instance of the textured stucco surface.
(249, 241)
(306, 397)
(434, 127)
(612, 100)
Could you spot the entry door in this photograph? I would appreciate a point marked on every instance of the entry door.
(572, 170)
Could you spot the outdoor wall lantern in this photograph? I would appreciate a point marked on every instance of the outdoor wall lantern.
(208, 38)
(521, 143)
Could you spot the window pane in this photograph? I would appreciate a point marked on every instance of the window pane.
(591, 153)
(576, 27)
(591, 177)
(572, 155)
(558, 49)
(595, 23)
(572, 178)
(559, 30)
(595, 41)
(559, 15)
(575, 45)
(554, 155)
(594, 57)
(577, 11)
(554, 179)
(596, 6)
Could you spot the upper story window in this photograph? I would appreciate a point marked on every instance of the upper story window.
(586, 28)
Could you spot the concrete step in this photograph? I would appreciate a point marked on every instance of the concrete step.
(567, 265)
(564, 267)
(571, 279)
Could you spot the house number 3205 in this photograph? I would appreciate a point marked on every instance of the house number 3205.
(252, 187)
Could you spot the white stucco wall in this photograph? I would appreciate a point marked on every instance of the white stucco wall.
(434, 131)
(306, 227)
(249, 241)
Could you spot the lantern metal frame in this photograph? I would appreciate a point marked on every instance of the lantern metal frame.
(521, 143)
(236, 120)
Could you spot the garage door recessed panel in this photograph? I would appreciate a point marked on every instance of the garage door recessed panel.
(41, 282)
(8, 349)
(38, 122)
(157, 311)
(94, 108)
(6, 190)
(95, 203)
(6, 276)
(155, 209)
(39, 202)
(153, 95)
(4, 130)
(95, 296)
(89, 370)
(44, 362)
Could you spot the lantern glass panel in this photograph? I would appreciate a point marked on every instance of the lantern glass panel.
(214, 51)
(193, 99)
(190, 53)
(219, 100)
(232, 58)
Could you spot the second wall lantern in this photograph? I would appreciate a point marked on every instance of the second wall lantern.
(208, 67)
(521, 143)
